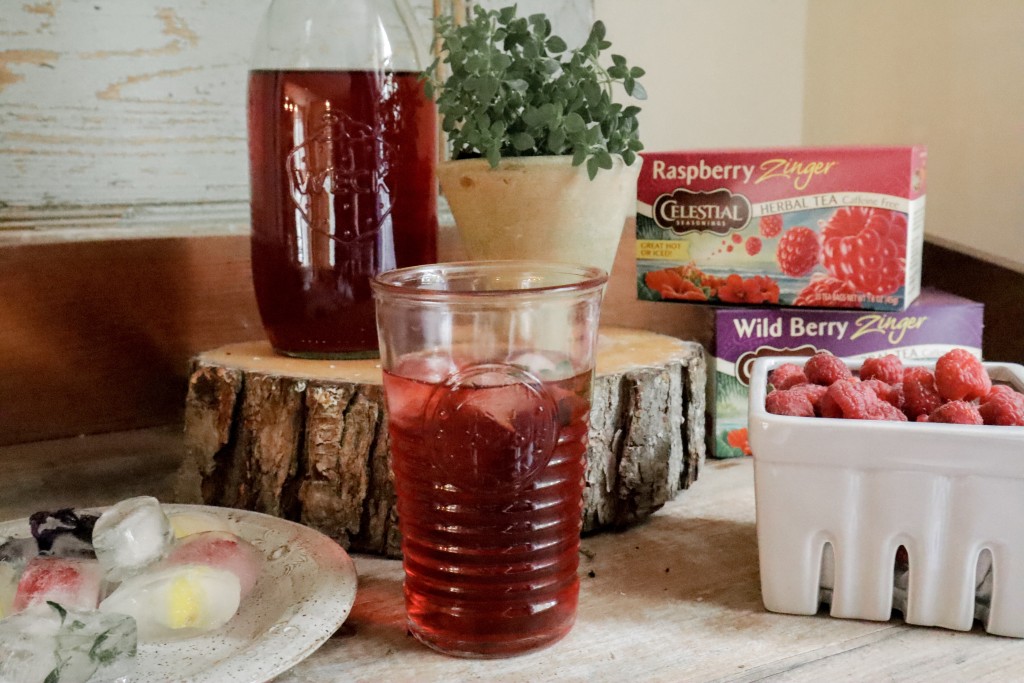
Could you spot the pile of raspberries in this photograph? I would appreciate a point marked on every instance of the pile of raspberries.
(959, 391)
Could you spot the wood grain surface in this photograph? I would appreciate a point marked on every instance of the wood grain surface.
(674, 599)
(307, 440)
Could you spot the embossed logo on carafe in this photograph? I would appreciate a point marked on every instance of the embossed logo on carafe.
(340, 168)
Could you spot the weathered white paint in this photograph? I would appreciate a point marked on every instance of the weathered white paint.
(129, 103)
(120, 102)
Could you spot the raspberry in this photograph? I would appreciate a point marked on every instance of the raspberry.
(867, 247)
(920, 397)
(753, 245)
(890, 393)
(888, 368)
(828, 291)
(770, 225)
(787, 376)
(956, 412)
(959, 375)
(824, 368)
(737, 238)
(890, 412)
(813, 392)
(789, 402)
(855, 400)
(797, 252)
(1003, 408)
(998, 389)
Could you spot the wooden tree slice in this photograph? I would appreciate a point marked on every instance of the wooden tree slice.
(307, 440)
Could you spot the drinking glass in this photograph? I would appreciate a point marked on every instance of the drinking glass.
(487, 379)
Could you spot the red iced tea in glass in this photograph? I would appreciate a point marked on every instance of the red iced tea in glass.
(489, 472)
(342, 166)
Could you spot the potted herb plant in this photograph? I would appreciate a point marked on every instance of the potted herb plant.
(543, 159)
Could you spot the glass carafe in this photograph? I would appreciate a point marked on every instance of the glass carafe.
(342, 154)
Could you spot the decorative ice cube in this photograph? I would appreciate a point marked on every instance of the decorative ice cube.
(222, 550)
(72, 582)
(18, 551)
(188, 522)
(130, 536)
(50, 643)
(543, 364)
(8, 587)
(176, 602)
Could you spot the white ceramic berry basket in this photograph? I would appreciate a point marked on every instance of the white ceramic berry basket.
(948, 493)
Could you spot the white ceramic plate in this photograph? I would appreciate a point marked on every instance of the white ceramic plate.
(304, 594)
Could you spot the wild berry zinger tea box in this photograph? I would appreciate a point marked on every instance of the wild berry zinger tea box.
(934, 324)
(836, 227)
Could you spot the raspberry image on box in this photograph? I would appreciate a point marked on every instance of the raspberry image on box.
(828, 227)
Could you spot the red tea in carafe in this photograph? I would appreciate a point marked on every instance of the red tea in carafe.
(342, 167)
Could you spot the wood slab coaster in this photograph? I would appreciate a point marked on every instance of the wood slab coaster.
(307, 440)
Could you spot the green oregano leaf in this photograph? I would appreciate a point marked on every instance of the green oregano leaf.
(579, 155)
(574, 123)
(555, 44)
(60, 610)
(494, 156)
(556, 141)
(522, 141)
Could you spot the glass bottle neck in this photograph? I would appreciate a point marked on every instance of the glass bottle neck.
(349, 35)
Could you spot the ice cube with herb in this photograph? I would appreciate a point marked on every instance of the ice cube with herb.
(51, 644)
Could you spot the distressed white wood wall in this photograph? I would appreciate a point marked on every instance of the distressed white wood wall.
(132, 112)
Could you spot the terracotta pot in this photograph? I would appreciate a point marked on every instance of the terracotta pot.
(540, 208)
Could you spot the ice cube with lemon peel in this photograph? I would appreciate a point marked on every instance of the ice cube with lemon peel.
(177, 602)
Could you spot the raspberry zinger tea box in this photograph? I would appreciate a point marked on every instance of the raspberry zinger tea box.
(934, 324)
(824, 227)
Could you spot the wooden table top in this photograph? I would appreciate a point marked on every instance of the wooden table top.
(675, 599)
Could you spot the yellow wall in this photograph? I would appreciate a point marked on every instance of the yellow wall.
(721, 73)
(948, 73)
